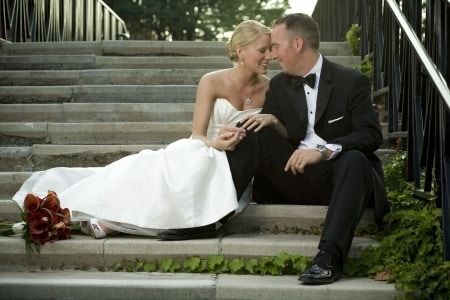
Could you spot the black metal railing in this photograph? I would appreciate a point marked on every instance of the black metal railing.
(59, 20)
(408, 41)
(335, 18)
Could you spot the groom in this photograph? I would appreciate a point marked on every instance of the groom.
(327, 155)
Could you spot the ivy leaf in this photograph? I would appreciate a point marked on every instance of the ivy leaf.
(175, 267)
(216, 264)
(267, 266)
(149, 267)
(251, 266)
(139, 266)
(117, 267)
(281, 261)
(299, 264)
(129, 268)
(166, 264)
(193, 265)
(237, 266)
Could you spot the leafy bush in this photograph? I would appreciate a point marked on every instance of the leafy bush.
(354, 45)
(353, 39)
(410, 253)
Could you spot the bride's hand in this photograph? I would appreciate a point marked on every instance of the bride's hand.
(258, 121)
(228, 138)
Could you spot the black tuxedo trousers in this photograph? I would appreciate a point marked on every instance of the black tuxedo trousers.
(345, 183)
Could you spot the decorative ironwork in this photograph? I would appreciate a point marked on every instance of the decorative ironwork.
(59, 20)
(411, 57)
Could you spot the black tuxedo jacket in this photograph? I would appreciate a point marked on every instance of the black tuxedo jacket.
(344, 115)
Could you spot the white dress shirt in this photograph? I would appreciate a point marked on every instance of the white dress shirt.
(311, 139)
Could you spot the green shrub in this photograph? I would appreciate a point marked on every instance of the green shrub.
(410, 253)
(353, 39)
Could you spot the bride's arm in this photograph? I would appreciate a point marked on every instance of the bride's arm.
(206, 96)
(204, 103)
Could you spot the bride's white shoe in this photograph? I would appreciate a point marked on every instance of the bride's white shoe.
(96, 231)
(85, 227)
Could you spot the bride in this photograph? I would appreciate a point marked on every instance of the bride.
(188, 184)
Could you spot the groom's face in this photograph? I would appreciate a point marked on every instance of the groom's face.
(283, 49)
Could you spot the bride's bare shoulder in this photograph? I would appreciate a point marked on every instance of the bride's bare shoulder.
(223, 74)
(223, 77)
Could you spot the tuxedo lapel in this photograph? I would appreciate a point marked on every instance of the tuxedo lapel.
(323, 95)
(298, 99)
(296, 110)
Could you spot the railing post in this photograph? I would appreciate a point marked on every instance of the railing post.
(59, 20)
(54, 30)
(20, 21)
(5, 21)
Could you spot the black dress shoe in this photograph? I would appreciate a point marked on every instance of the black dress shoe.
(323, 270)
(203, 232)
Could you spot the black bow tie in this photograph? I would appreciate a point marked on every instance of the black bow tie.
(300, 80)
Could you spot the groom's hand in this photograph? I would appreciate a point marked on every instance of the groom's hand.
(301, 158)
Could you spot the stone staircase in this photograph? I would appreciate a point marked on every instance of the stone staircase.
(86, 104)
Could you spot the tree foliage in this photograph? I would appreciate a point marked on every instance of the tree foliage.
(192, 19)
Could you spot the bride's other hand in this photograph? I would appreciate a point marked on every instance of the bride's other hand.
(228, 138)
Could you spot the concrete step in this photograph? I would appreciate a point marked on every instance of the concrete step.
(260, 218)
(83, 252)
(110, 133)
(260, 231)
(44, 156)
(58, 285)
(105, 77)
(140, 48)
(86, 62)
(98, 94)
(17, 163)
(97, 112)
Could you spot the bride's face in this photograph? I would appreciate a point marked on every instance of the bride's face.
(257, 55)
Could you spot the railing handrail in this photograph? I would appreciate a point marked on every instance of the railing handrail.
(121, 21)
(437, 78)
(113, 12)
(60, 20)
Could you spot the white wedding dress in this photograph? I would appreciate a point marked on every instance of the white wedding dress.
(186, 184)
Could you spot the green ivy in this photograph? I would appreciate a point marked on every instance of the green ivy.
(283, 264)
(410, 252)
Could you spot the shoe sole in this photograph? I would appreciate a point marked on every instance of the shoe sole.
(318, 281)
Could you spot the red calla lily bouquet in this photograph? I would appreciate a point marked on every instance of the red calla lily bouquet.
(44, 221)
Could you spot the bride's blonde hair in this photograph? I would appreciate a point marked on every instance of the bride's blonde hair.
(244, 34)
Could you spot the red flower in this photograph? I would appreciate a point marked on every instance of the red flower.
(31, 202)
(51, 202)
(45, 220)
(39, 231)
